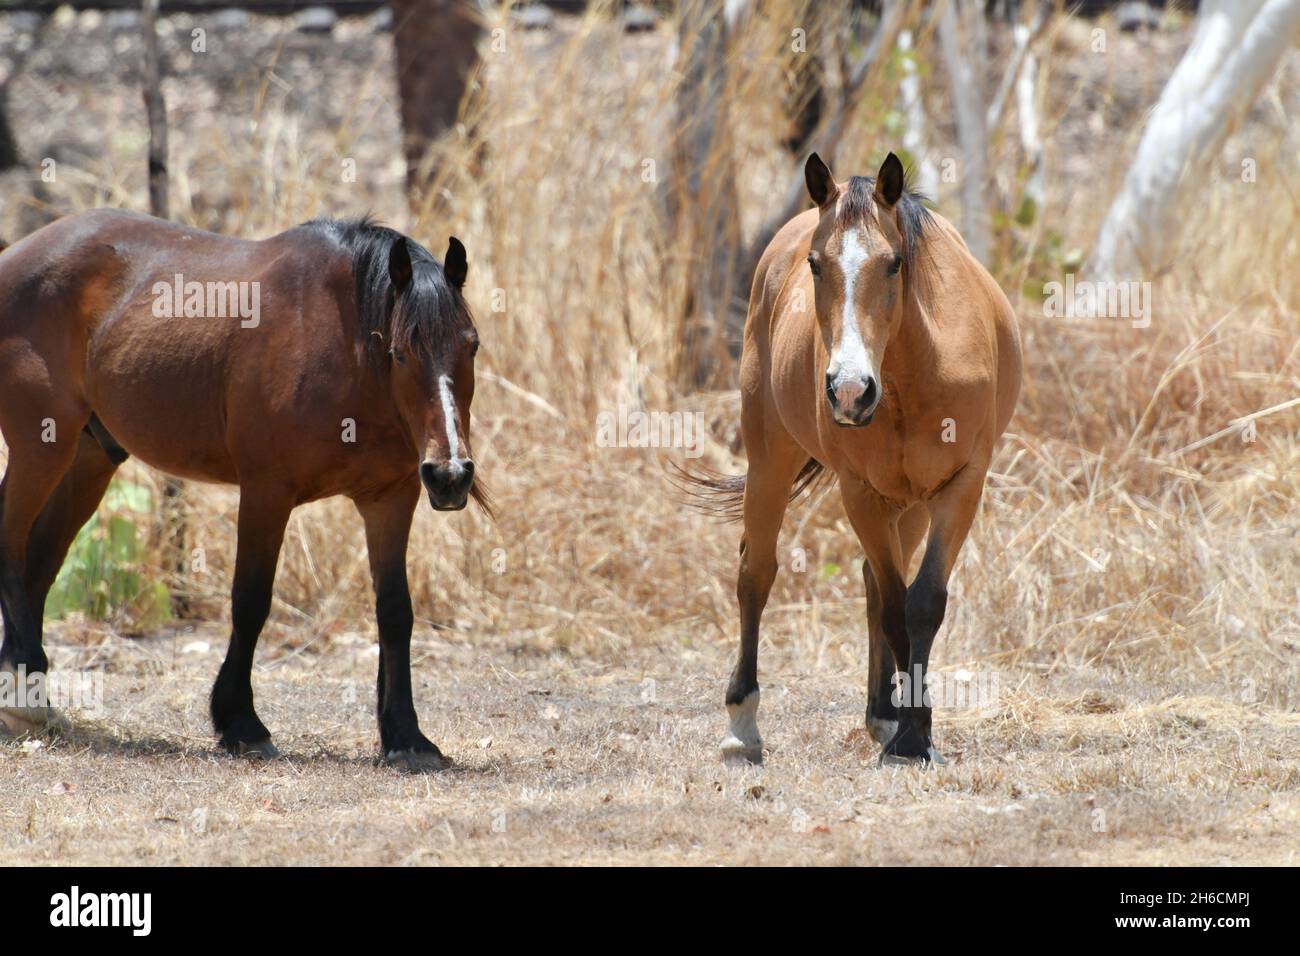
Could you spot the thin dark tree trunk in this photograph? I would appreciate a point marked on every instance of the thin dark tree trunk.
(8, 142)
(10, 156)
(156, 108)
(172, 513)
(823, 141)
(704, 205)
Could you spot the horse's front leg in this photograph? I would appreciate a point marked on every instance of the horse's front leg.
(952, 511)
(263, 514)
(388, 526)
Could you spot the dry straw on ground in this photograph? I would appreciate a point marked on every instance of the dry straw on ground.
(1134, 590)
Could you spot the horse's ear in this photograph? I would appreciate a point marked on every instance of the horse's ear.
(399, 264)
(889, 181)
(821, 184)
(454, 265)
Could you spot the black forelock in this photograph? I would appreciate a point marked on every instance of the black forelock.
(858, 206)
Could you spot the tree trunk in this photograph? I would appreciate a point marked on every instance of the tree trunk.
(10, 156)
(825, 141)
(915, 122)
(1027, 110)
(156, 109)
(171, 518)
(961, 33)
(704, 205)
(8, 142)
(1237, 46)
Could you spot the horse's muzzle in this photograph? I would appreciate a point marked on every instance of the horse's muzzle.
(448, 483)
(853, 401)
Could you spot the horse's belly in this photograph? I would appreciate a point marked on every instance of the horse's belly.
(163, 399)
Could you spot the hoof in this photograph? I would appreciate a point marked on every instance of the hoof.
(261, 750)
(911, 745)
(737, 753)
(20, 721)
(931, 756)
(417, 761)
(882, 730)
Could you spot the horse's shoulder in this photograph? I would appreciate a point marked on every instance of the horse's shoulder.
(778, 258)
(979, 344)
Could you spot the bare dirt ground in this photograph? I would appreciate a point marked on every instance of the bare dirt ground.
(575, 761)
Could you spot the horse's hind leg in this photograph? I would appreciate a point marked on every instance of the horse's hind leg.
(263, 514)
(69, 507)
(42, 447)
(767, 489)
(875, 523)
(882, 712)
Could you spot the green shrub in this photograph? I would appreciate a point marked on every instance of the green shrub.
(103, 575)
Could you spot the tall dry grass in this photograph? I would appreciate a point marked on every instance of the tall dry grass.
(1107, 544)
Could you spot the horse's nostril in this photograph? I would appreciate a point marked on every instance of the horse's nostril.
(469, 471)
(830, 387)
(869, 396)
(428, 472)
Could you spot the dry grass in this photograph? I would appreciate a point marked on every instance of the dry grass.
(1137, 600)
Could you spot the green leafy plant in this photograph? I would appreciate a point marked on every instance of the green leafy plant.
(103, 575)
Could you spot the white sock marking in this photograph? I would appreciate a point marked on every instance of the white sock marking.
(743, 733)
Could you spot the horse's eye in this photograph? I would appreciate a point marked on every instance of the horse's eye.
(398, 356)
(812, 264)
(473, 348)
(896, 265)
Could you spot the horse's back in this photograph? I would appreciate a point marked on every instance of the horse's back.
(117, 310)
(74, 270)
(50, 283)
(773, 271)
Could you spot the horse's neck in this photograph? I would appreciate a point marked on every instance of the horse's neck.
(914, 348)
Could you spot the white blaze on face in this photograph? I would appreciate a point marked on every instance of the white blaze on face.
(851, 361)
(449, 419)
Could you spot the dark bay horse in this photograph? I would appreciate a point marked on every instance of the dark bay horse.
(878, 349)
(336, 358)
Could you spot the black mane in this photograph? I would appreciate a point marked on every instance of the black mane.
(858, 205)
(431, 311)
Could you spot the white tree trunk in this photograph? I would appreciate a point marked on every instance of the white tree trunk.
(961, 33)
(1027, 110)
(913, 109)
(1237, 46)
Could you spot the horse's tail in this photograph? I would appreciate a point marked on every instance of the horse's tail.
(723, 496)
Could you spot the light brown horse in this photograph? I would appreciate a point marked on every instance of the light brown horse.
(333, 359)
(878, 348)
